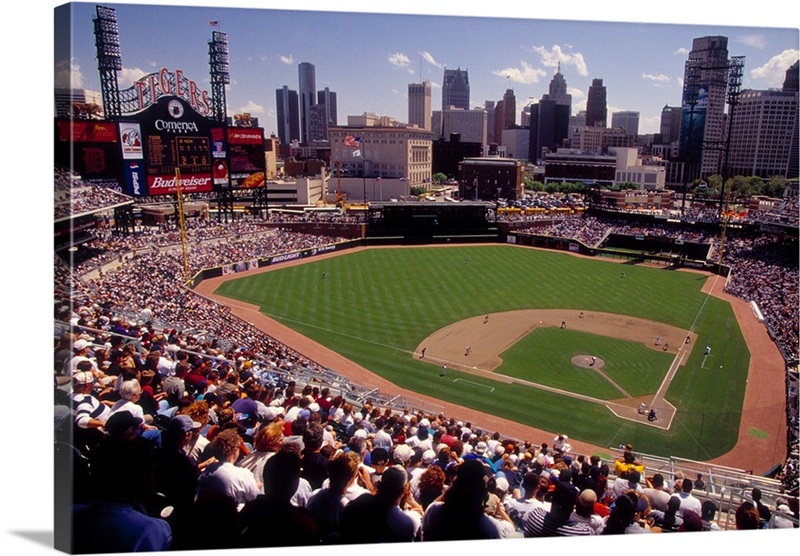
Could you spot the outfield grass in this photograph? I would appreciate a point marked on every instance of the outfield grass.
(375, 306)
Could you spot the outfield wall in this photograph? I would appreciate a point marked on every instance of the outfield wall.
(252, 264)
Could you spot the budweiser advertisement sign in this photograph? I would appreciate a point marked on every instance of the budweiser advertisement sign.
(167, 184)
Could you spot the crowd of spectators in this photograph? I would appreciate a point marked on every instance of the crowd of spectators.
(786, 212)
(765, 270)
(219, 432)
(589, 230)
(73, 196)
(592, 230)
(202, 439)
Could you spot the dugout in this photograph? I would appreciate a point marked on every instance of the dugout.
(431, 222)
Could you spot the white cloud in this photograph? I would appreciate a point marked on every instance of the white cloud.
(576, 93)
(251, 108)
(657, 79)
(288, 60)
(773, 72)
(128, 76)
(555, 56)
(527, 75)
(757, 41)
(399, 59)
(428, 57)
(68, 75)
(683, 51)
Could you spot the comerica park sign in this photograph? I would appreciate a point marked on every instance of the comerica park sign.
(149, 89)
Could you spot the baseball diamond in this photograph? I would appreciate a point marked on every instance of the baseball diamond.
(687, 398)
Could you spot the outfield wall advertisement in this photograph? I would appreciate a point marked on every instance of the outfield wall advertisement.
(252, 264)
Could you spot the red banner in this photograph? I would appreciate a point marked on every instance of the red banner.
(87, 131)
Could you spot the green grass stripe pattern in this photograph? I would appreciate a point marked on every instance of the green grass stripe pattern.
(375, 306)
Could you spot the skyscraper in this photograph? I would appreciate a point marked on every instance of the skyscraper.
(419, 104)
(791, 81)
(455, 89)
(596, 109)
(505, 114)
(471, 125)
(549, 121)
(763, 132)
(670, 128)
(558, 89)
(705, 84)
(490, 106)
(288, 115)
(308, 93)
(328, 99)
(627, 120)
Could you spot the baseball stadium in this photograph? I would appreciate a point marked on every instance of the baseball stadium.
(596, 346)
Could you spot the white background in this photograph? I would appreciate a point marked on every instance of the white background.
(26, 183)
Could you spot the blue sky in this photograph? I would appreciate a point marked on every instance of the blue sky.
(369, 59)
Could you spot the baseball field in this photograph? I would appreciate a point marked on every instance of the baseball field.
(545, 339)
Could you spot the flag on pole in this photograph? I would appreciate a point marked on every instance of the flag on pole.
(214, 23)
(357, 152)
(352, 141)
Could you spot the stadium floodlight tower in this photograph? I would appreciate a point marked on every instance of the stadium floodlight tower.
(220, 75)
(109, 59)
(218, 65)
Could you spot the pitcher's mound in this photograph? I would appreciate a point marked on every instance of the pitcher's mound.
(588, 362)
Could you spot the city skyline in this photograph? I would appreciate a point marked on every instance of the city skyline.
(369, 59)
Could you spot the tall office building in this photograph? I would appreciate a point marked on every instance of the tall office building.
(705, 83)
(308, 94)
(288, 115)
(490, 106)
(596, 108)
(557, 90)
(470, 125)
(318, 124)
(525, 114)
(627, 120)
(550, 119)
(327, 98)
(762, 134)
(791, 81)
(455, 89)
(670, 128)
(419, 104)
(792, 84)
(505, 114)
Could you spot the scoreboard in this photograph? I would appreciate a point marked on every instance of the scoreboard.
(187, 154)
(140, 154)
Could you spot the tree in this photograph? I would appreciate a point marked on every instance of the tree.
(533, 185)
(417, 190)
(439, 178)
(714, 182)
(741, 187)
(775, 186)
